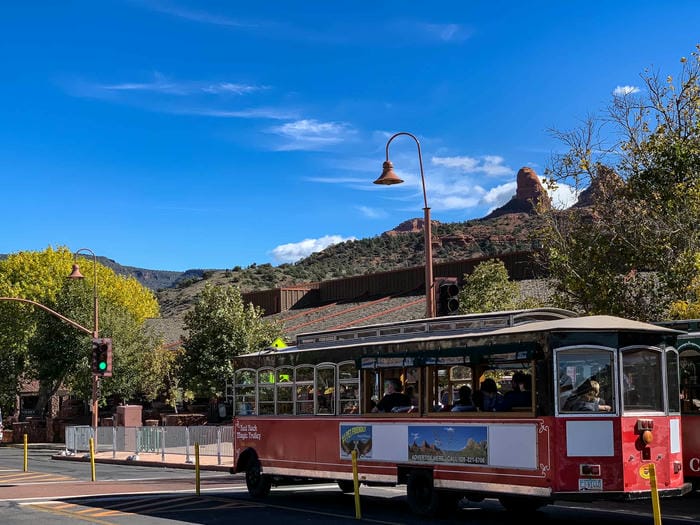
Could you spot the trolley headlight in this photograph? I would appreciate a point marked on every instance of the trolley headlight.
(643, 427)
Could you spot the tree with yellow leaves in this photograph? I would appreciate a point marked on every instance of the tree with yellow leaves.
(37, 345)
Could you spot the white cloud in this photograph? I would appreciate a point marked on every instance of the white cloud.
(163, 95)
(263, 113)
(491, 165)
(195, 15)
(230, 87)
(372, 213)
(563, 197)
(499, 195)
(292, 252)
(161, 84)
(338, 180)
(400, 29)
(621, 91)
(448, 32)
(310, 134)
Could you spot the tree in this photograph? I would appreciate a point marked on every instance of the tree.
(220, 327)
(37, 345)
(629, 248)
(488, 289)
(688, 307)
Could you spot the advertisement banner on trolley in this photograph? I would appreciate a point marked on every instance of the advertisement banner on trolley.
(458, 444)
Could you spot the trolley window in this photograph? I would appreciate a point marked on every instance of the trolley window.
(304, 389)
(585, 379)
(673, 374)
(349, 381)
(266, 392)
(285, 389)
(325, 388)
(690, 382)
(244, 381)
(642, 381)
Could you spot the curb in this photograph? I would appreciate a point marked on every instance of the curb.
(145, 463)
(37, 446)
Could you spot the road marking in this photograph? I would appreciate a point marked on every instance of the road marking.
(137, 506)
(26, 478)
(50, 509)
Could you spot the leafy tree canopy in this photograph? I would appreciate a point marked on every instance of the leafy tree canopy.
(37, 345)
(220, 327)
(488, 289)
(631, 249)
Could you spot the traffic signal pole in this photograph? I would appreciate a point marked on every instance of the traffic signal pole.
(94, 332)
(52, 312)
(63, 318)
(75, 274)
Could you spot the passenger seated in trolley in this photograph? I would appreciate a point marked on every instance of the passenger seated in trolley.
(393, 398)
(586, 399)
(521, 395)
(410, 392)
(464, 403)
(488, 398)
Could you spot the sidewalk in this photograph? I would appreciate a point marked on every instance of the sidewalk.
(146, 459)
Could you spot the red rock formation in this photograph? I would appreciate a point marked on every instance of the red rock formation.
(528, 193)
(410, 226)
(606, 182)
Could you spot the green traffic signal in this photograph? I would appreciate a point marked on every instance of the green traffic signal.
(102, 357)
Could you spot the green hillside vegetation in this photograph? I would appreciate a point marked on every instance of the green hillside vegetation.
(385, 252)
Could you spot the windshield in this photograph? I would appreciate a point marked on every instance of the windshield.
(642, 387)
(585, 380)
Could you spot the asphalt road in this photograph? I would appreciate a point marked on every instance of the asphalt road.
(62, 493)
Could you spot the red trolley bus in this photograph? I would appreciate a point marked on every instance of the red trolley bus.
(689, 352)
(302, 412)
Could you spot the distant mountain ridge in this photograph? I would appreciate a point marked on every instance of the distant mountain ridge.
(152, 279)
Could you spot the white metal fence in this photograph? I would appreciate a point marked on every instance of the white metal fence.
(213, 440)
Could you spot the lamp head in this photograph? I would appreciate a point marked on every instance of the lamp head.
(75, 274)
(388, 177)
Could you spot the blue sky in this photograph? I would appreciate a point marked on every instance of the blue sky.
(209, 134)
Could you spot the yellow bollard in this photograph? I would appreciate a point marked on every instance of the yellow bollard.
(92, 459)
(654, 495)
(356, 481)
(26, 447)
(196, 467)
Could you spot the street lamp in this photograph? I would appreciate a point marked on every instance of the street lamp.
(75, 274)
(388, 177)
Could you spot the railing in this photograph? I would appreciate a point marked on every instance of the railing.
(213, 440)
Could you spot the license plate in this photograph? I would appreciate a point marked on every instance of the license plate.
(590, 484)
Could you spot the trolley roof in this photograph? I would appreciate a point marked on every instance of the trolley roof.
(442, 333)
(598, 323)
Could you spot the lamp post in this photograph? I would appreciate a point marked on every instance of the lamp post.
(75, 274)
(388, 177)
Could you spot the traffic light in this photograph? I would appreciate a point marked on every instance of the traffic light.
(102, 357)
(447, 293)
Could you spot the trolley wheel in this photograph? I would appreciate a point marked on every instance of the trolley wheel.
(521, 504)
(423, 499)
(258, 484)
(346, 486)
